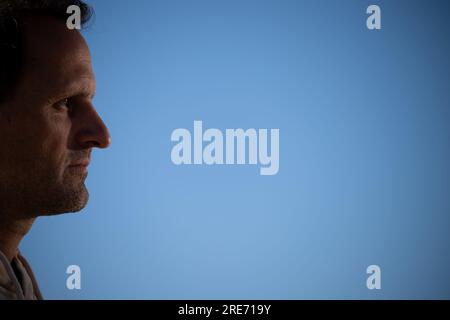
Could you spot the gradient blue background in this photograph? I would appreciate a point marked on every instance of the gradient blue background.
(364, 154)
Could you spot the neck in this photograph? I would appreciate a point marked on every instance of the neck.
(11, 233)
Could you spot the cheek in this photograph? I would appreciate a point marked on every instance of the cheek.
(54, 143)
(43, 143)
(34, 143)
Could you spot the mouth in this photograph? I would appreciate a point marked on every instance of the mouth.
(82, 165)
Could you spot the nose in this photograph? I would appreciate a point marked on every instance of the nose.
(92, 132)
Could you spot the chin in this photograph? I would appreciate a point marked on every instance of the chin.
(68, 202)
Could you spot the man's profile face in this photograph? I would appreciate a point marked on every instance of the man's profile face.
(49, 126)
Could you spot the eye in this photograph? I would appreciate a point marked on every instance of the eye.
(64, 104)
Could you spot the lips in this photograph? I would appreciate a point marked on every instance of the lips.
(81, 164)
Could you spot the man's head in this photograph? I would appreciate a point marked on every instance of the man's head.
(48, 124)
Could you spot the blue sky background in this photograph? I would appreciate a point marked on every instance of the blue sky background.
(364, 152)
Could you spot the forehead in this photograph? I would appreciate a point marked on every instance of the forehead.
(55, 56)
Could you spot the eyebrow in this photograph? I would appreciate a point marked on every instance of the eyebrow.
(78, 88)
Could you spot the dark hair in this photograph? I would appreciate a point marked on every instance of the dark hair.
(11, 38)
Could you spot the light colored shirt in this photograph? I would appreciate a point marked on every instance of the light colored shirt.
(21, 286)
